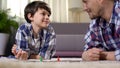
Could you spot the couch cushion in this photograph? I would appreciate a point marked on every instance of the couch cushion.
(70, 42)
(70, 38)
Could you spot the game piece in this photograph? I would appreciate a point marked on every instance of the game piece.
(58, 58)
(41, 59)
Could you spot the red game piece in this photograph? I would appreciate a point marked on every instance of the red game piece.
(58, 58)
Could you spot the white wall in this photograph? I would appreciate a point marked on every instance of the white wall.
(3, 4)
(59, 10)
(62, 10)
(0, 4)
(76, 13)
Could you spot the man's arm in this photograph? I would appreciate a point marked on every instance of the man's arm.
(92, 54)
(95, 54)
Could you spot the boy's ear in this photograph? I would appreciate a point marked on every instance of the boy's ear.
(29, 16)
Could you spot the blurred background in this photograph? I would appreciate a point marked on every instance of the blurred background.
(63, 11)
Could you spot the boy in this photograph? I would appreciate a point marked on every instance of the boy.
(36, 38)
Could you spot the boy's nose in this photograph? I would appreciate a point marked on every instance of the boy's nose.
(47, 17)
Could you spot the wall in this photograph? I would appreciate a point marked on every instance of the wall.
(62, 10)
(76, 13)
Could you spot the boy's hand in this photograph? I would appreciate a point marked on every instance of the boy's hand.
(14, 49)
(20, 54)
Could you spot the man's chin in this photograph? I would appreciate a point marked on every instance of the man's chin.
(93, 18)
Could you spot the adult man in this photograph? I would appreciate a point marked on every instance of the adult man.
(103, 37)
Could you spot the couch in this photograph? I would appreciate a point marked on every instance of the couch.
(70, 38)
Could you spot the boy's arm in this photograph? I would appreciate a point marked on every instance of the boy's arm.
(48, 49)
(20, 54)
(34, 57)
(22, 50)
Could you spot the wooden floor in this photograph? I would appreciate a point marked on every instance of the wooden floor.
(54, 63)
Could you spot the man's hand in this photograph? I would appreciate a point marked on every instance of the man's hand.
(92, 54)
(20, 54)
(107, 55)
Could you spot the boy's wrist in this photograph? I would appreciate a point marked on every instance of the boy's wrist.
(33, 56)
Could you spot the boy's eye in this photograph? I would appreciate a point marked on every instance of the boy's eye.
(48, 15)
(43, 14)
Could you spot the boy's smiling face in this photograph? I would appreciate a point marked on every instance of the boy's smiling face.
(40, 19)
